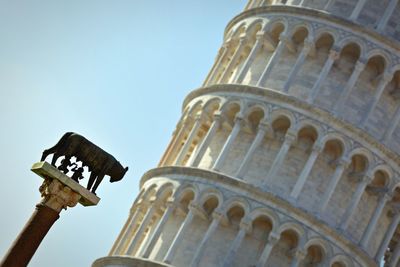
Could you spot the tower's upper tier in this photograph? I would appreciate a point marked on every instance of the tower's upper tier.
(381, 15)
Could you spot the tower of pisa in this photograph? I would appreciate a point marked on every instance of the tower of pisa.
(288, 155)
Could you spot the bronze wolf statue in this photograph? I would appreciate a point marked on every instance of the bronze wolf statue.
(99, 162)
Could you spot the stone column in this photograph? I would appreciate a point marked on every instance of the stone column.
(378, 93)
(394, 258)
(388, 236)
(254, 51)
(131, 225)
(193, 133)
(354, 201)
(55, 197)
(357, 10)
(157, 231)
(299, 256)
(214, 71)
(169, 256)
(217, 218)
(173, 140)
(198, 154)
(290, 137)
(374, 220)
(393, 125)
(143, 226)
(342, 165)
(308, 45)
(170, 156)
(262, 129)
(329, 4)
(316, 150)
(273, 238)
(233, 61)
(229, 142)
(386, 16)
(344, 95)
(273, 60)
(333, 55)
(245, 227)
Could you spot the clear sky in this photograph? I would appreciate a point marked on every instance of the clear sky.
(115, 71)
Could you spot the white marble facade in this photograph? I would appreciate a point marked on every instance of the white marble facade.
(288, 155)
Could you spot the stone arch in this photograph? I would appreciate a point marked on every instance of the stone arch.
(278, 113)
(339, 140)
(320, 33)
(185, 189)
(256, 213)
(149, 192)
(232, 108)
(255, 114)
(353, 41)
(236, 201)
(309, 130)
(253, 28)
(299, 230)
(379, 52)
(361, 151)
(327, 249)
(276, 23)
(300, 34)
(209, 193)
(340, 259)
(195, 108)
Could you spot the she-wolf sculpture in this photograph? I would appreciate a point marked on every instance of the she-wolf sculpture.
(100, 163)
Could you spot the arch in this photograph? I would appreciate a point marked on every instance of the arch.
(256, 114)
(363, 152)
(236, 201)
(195, 108)
(149, 192)
(231, 108)
(277, 113)
(335, 137)
(387, 174)
(353, 41)
(185, 189)
(299, 27)
(211, 192)
(299, 230)
(165, 190)
(320, 33)
(380, 53)
(327, 249)
(308, 128)
(251, 29)
(276, 23)
(342, 259)
(267, 213)
(212, 105)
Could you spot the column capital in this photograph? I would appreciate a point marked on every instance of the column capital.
(239, 119)
(334, 53)
(308, 44)
(220, 217)
(260, 35)
(246, 225)
(387, 77)
(264, 126)
(273, 238)
(284, 38)
(317, 147)
(360, 65)
(344, 162)
(300, 254)
(57, 196)
(290, 137)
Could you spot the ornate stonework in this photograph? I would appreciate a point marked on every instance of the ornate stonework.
(288, 155)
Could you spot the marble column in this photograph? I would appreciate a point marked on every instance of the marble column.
(232, 63)
(193, 134)
(198, 154)
(228, 144)
(386, 16)
(344, 95)
(357, 10)
(221, 58)
(377, 96)
(342, 165)
(290, 137)
(262, 129)
(299, 256)
(170, 156)
(143, 226)
(394, 122)
(354, 201)
(388, 236)
(273, 239)
(157, 231)
(394, 258)
(308, 45)
(333, 55)
(254, 51)
(273, 60)
(169, 256)
(245, 228)
(329, 4)
(316, 150)
(217, 218)
(374, 219)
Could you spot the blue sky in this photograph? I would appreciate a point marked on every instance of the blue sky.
(114, 71)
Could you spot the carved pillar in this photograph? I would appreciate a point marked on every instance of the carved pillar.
(392, 127)
(273, 238)
(374, 219)
(308, 45)
(134, 243)
(394, 258)
(229, 142)
(273, 60)
(290, 137)
(357, 10)
(198, 154)
(169, 256)
(157, 231)
(333, 55)
(388, 236)
(193, 133)
(245, 227)
(344, 95)
(316, 150)
(217, 218)
(378, 93)
(254, 51)
(354, 201)
(262, 129)
(214, 71)
(233, 61)
(55, 197)
(299, 256)
(329, 4)
(386, 16)
(333, 183)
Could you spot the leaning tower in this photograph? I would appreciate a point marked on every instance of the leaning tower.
(288, 155)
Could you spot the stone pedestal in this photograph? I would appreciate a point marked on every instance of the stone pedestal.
(58, 192)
